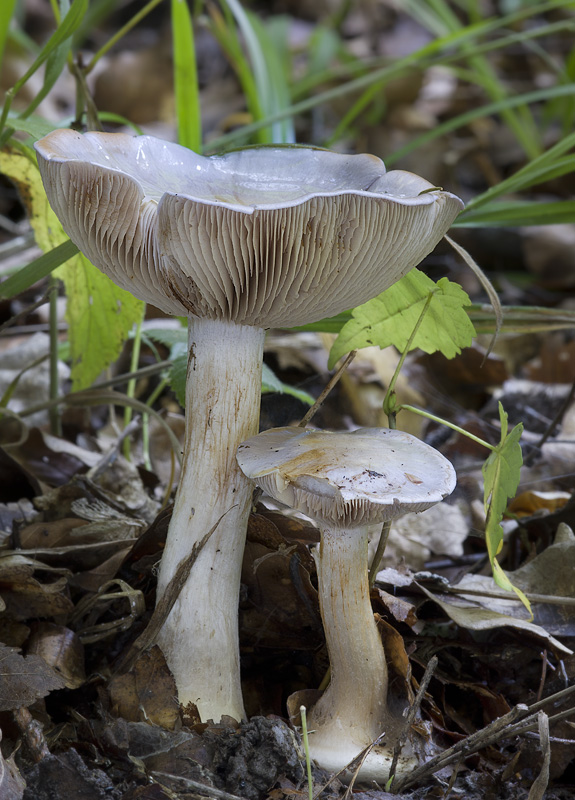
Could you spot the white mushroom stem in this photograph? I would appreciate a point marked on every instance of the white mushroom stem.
(352, 712)
(200, 637)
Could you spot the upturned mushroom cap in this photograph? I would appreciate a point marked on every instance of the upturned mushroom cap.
(347, 479)
(273, 236)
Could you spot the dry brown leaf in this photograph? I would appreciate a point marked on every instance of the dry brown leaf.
(475, 618)
(551, 573)
(12, 784)
(61, 649)
(24, 680)
(25, 596)
(147, 692)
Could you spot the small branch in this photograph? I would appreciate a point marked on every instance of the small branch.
(32, 734)
(476, 741)
(550, 599)
(414, 708)
(164, 606)
(54, 411)
(327, 389)
(381, 545)
(503, 727)
(25, 311)
(552, 425)
(209, 791)
(144, 372)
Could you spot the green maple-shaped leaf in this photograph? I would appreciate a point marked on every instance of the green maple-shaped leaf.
(391, 317)
(501, 473)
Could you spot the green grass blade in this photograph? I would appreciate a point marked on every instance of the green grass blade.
(186, 78)
(268, 73)
(225, 33)
(6, 11)
(438, 51)
(519, 213)
(273, 39)
(550, 164)
(67, 27)
(476, 113)
(55, 65)
(35, 126)
(440, 19)
(37, 269)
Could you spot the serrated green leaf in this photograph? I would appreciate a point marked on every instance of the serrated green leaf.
(391, 317)
(501, 474)
(99, 313)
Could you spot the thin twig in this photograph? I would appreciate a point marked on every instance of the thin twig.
(554, 422)
(144, 372)
(359, 759)
(32, 734)
(414, 708)
(362, 757)
(530, 723)
(165, 604)
(24, 312)
(381, 545)
(327, 389)
(550, 599)
(552, 698)
(503, 727)
(209, 791)
(475, 741)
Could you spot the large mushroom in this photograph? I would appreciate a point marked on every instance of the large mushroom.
(347, 482)
(263, 237)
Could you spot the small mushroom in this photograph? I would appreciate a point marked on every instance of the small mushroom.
(276, 236)
(347, 482)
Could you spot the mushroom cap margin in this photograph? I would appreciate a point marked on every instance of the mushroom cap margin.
(339, 230)
(347, 479)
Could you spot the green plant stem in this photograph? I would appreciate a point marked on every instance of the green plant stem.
(378, 555)
(84, 100)
(56, 11)
(122, 32)
(304, 736)
(131, 390)
(441, 421)
(54, 412)
(327, 389)
(146, 423)
(389, 407)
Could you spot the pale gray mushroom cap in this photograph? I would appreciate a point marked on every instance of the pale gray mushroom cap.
(272, 236)
(347, 479)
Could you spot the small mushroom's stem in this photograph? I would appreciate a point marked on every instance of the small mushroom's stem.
(352, 712)
(200, 637)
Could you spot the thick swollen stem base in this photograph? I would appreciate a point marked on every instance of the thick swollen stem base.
(353, 711)
(200, 636)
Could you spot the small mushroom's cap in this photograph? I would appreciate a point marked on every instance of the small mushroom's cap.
(347, 479)
(272, 236)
